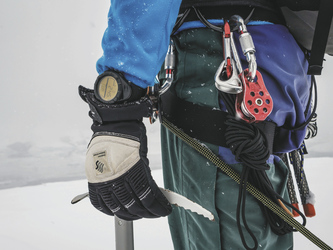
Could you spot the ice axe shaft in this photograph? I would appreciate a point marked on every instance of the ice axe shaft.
(124, 229)
(124, 234)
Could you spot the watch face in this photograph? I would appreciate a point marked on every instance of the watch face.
(107, 89)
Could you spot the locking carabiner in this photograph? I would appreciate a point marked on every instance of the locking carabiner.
(169, 66)
(246, 42)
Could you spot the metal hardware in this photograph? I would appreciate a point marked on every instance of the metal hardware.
(226, 76)
(255, 103)
(235, 54)
(124, 234)
(246, 42)
(169, 66)
(233, 84)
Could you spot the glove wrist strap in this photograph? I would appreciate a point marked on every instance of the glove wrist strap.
(104, 113)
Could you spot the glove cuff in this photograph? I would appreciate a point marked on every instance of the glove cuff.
(104, 113)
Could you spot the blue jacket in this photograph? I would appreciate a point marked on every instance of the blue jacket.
(137, 38)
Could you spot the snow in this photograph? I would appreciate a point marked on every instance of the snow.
(49, 48)
(42, 217)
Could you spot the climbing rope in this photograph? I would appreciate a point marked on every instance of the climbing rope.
(278, 210)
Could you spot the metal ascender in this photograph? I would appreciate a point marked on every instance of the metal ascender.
(253, 101)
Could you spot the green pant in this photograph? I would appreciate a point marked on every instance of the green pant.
(199, 53)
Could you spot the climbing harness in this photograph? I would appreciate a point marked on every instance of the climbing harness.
(245, 94)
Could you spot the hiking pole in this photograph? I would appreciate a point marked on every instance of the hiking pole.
(124, 234)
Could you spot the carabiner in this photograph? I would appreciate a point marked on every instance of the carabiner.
(169, 66)
(226, 76)
(246, 42)
(231, 85)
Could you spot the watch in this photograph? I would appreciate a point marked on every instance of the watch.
(111, 87)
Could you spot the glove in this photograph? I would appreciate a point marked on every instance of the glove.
(117, 168)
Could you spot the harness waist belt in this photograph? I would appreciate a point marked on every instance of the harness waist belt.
(204, 123)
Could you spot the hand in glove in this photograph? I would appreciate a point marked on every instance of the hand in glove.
(117, 168)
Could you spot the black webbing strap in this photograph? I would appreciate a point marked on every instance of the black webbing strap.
(320, 37)
(204, 123)
(206, 152)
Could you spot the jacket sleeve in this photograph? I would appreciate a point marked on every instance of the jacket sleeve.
(137, 37)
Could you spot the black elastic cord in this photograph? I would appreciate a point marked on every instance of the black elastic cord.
(182, 17)
(180, 21)
(205, 21)
(241, 211)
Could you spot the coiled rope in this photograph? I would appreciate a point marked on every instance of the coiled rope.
(249, 147)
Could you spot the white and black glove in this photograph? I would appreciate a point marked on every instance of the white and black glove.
(117, 168)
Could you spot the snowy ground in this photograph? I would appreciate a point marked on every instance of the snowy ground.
(41, 217)
(47, 49)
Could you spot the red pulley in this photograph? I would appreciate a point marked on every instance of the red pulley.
(254, 103)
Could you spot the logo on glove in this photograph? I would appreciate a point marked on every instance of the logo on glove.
(99, 166)
(100, 162)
